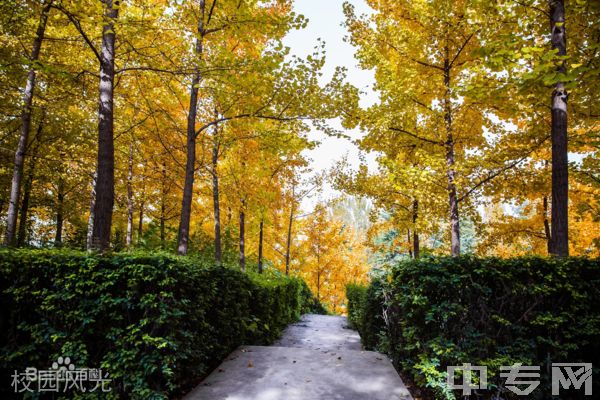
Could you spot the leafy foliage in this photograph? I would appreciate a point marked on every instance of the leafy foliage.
(156, 323)
(486, 311)
(329, 257)
(464, 89)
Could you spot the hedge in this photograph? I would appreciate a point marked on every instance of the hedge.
(155, 323)
(356, 295)
(364, 313)
(485, 311)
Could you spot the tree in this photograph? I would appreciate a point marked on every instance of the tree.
(218, 21)
(560, 174)
(332, 257)
(525, 71)
(424, 104)
(268, 88)
(296, 195)
(105, 166)
(186, 206)
(28, 94)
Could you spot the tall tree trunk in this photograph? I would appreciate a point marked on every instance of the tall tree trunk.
(188, 188)
(163, 205)
(547, 231)
(560, 162)
(105, 181)
(90, 224)
(319, 273)
(190, 166)
(140, 228)
(15, 189)
(60, 201)
(23, 213)
(416, 244)
(215, 191)
(162, 225)
(450, 161)
(319, 285)
(242, 238)
(289, 240)
(129, 236)
(408, 240)
(260, 246)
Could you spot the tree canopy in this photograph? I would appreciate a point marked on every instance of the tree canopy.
(185, 127)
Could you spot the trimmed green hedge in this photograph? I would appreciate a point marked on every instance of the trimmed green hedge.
(492, 312)
(365, 313)
(356, 295)
(156, 323)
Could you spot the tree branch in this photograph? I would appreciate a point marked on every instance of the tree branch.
(146, 68)
(77, 25)
(247, 115)
(416, 136)
(461, 49)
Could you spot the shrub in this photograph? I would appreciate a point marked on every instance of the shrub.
(356, 295)
(155, 323)
(365, 313)
(492, 312)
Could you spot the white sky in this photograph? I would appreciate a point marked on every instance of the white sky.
(325, 18)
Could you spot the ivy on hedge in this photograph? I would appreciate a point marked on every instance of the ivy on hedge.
(485, 311)
(155, 323)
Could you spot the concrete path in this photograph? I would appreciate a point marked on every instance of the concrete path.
(317, 358)
(320, 332)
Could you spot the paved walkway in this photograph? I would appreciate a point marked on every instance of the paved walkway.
(317, 358)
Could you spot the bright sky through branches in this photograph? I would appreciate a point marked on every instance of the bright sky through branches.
(325, 22)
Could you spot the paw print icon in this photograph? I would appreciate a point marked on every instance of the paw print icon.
(62, 365)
